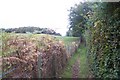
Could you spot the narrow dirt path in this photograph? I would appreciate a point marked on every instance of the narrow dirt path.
(75, 69)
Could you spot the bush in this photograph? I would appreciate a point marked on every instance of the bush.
(104, 49)
(32, 57)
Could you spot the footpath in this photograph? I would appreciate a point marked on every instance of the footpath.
(77, 66)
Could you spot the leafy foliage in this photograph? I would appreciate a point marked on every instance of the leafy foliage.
(101, 24)
(104, 41)
(78, 17)
(29, 54)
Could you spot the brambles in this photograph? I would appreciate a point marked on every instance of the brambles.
(21, 54)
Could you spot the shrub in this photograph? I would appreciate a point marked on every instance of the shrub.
(30, 56)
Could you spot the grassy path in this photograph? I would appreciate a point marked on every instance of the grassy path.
(77, 66)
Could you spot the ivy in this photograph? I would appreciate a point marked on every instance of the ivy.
(105, 43)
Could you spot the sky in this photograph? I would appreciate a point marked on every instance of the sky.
(39, 13)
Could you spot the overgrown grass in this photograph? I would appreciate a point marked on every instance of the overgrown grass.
(84, 69)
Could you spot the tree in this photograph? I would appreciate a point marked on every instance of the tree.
(78, 18)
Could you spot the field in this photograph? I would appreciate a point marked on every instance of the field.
(68, 40)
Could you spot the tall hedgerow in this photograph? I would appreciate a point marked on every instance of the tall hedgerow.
(104, 51)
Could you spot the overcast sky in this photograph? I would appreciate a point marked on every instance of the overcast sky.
(39, 13)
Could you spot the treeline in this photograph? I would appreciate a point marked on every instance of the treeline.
(29, 29)
(100, 23)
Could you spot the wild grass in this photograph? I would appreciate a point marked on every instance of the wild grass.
(84, 68)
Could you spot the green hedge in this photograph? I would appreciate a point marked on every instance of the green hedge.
(104, 51)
